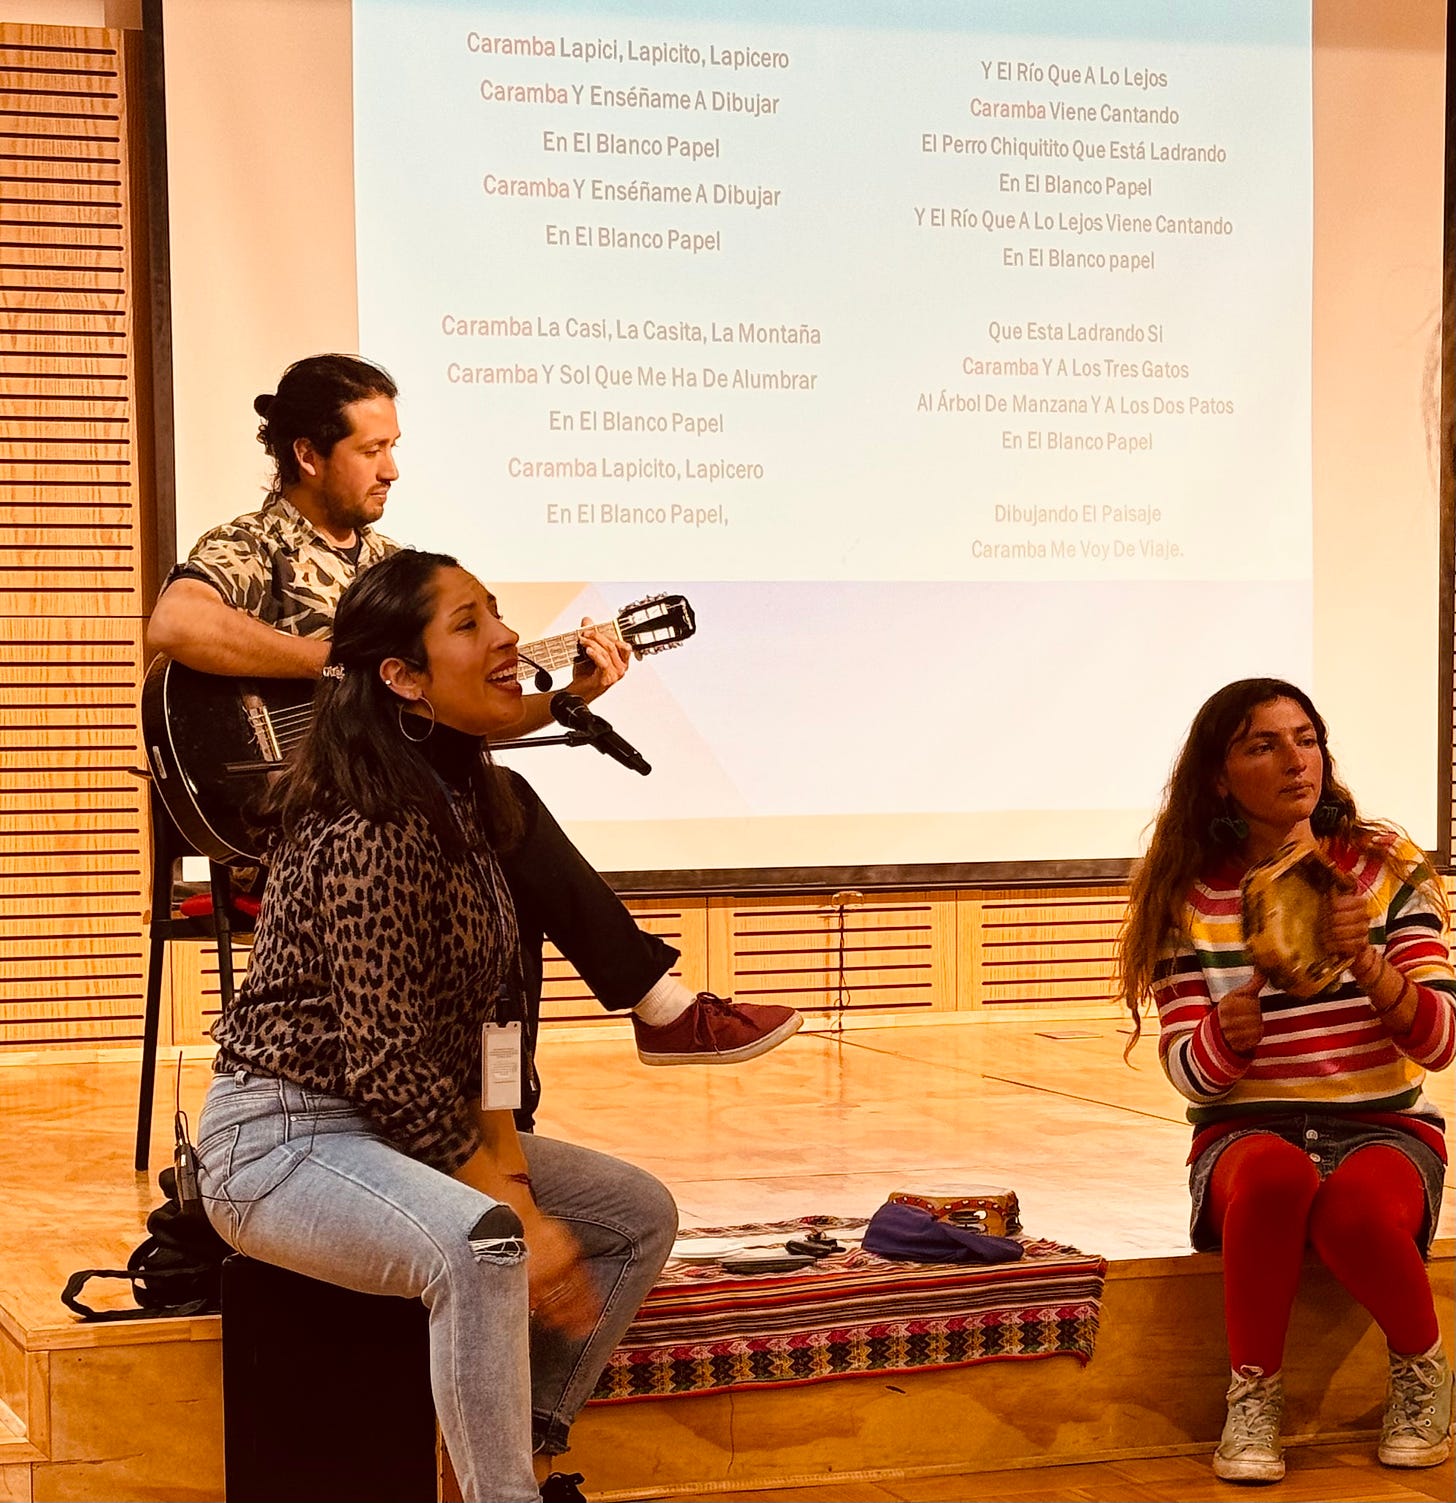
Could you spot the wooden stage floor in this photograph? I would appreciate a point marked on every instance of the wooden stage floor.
(830, 1123)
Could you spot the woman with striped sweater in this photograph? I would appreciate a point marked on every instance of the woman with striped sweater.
(1311, 1125)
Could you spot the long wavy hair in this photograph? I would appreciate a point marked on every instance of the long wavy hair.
(1186, 832)
(354, 756)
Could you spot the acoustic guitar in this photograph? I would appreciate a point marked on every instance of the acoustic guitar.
(212, 741)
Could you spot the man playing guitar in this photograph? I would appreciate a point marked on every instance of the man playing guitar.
(256, 596)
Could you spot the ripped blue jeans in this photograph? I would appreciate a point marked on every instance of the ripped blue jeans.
(301, 1180)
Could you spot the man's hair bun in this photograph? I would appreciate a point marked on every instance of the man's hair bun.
(312, 402)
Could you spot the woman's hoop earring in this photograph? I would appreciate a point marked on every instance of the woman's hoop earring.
(399, 714)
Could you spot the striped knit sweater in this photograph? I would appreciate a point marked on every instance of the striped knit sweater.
(1330, 1052)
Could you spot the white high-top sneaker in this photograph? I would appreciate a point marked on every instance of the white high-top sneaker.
(1249, 1450)
(1417, 1427)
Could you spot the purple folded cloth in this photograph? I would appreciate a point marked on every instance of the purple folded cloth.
(909, 1235)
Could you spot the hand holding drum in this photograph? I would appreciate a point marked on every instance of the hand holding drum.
(1303, 921)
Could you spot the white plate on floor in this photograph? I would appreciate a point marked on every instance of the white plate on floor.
(705, 1249)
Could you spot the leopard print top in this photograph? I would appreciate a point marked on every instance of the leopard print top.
(375, 963)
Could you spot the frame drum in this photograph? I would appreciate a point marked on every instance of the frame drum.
(981, 1208)
(1286, 902)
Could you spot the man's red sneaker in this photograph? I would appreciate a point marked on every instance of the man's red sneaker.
(714, 1031)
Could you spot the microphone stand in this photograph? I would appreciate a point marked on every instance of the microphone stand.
(593, 736)
(568, 710)
(571, 738)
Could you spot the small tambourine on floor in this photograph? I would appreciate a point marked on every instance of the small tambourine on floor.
(982, 1208)
(1286, 911)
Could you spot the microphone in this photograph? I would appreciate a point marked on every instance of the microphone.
(542, 679)
(571, 711)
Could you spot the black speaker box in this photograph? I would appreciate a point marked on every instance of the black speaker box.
(326, 1393)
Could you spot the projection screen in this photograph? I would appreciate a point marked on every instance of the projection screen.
(994, 380)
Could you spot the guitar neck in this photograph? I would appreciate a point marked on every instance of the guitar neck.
(560, 651)
(212, 740)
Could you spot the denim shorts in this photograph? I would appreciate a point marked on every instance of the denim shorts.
(1328, 1140)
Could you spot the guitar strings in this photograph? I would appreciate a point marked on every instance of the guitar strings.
(290, 725)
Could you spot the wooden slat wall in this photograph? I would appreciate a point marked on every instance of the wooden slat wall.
(73, 829)
(195, 999)
(897, 952)
(682, 923)
(1042, 946)
(903, 952)
(564, 998)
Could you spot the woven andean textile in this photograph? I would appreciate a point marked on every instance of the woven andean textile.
(703, 1331)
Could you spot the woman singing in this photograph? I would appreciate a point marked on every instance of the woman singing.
(344, 1135)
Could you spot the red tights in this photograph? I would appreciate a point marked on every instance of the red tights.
(1266, 1200)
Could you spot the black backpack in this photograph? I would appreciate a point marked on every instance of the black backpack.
(176, 1271)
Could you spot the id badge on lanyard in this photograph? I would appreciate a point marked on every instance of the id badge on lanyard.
(500, 1067)
(503, 1061)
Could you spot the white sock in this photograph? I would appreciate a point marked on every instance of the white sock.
(668, 1000)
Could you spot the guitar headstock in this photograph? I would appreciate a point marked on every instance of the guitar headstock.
(656, 623)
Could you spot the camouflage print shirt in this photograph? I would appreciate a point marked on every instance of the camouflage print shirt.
(274, 566)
